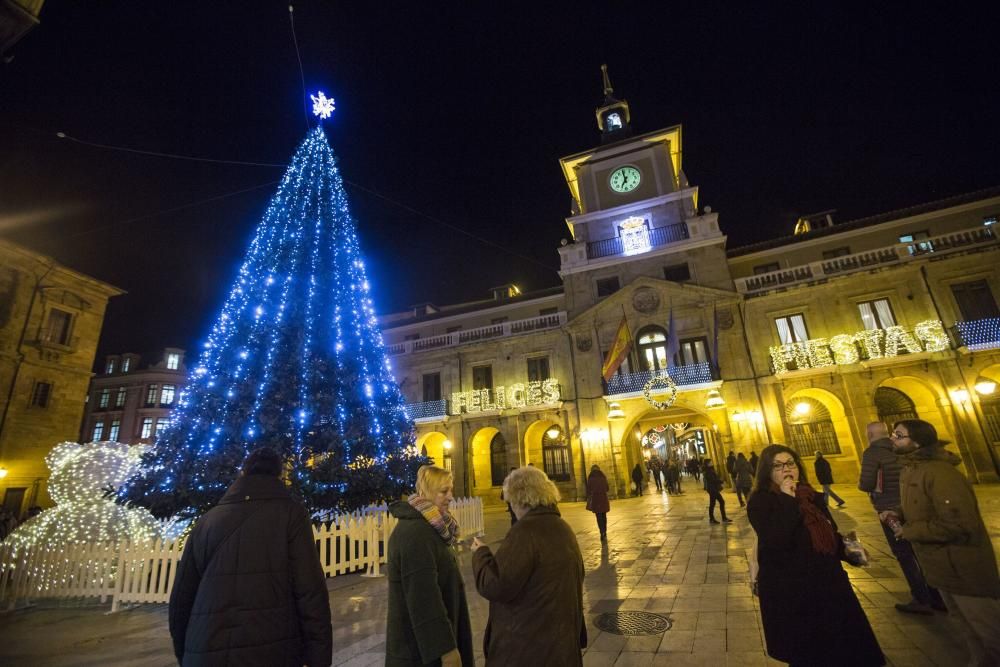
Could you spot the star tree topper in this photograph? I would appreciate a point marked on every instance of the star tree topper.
(322, 105)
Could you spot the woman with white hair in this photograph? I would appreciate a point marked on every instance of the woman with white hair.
(534, 582)
(428, 616)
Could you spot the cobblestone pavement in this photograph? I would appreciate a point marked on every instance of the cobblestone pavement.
(662, 556)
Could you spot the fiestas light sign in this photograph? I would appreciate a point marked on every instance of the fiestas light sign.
(845, 349)
(518, 395)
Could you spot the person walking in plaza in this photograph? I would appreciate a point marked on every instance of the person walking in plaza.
(742, 478)
(250, 589)
(939, 515)
(753, 462)
(879, 477)
(731, 463)
(510, 511)
(656, 468)
(694, 468)
(824, 476)
(810, 613)
(428, 615)
(713, 485)
(674, 477)
(638, 478)
(597, 499)
(534, 582)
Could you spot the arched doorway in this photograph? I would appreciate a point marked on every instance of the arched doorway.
(498, 459)
(437, 447)
(546, 446)
(892, 406)
(810, 427)
(483, 444)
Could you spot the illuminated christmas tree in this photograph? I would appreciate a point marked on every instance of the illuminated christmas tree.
(295, 362)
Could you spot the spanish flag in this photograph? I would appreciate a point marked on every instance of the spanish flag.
(619, 350)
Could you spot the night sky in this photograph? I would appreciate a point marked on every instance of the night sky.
(449, 115)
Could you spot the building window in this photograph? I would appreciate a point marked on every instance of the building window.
(432, 386)
(765, 268)
(548, 311)
(555, 454)
(608, 286)
(917, 242)
(498, 459)
(975, 300)
(104, 398)
(40, 394)
(877, 314)
(678, 273)
(98, 433)
(116, 426)
(151, 394)
(482, 377)
(120, 397)
(126, 364)
(167, 394)
(110, 368)
(837, 252)
(147, 427)
(173, 361)
(692, 351)
(161, 425)
(498, 320)
(990, 220)
(652, 349)
(792, 328)
(538, 369)
(57, 329)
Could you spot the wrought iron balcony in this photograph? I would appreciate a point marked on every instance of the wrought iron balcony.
(864, 261)
(630, 383)
(979, 334)
(658, 236)
(467, 336)
(427, 409)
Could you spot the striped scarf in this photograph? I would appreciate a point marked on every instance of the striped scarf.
(443, 523)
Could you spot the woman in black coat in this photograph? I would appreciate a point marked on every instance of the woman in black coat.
(810, 613)
(639, 478)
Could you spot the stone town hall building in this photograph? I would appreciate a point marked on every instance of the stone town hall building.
(800, 340)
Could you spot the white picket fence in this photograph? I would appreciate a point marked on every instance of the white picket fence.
(144, 573)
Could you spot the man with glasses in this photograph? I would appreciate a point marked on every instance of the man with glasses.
(880, 479)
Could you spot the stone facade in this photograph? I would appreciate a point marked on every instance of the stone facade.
(50, 322)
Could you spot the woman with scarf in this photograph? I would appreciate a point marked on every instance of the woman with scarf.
(428, 617)
(810, 613)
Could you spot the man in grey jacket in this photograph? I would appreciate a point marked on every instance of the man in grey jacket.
(880, 478)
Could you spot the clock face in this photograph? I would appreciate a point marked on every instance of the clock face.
(624, 179)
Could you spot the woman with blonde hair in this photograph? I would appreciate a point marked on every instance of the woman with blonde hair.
(428, 616)
(534, 582)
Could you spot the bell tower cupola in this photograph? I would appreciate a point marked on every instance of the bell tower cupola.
(613, 117)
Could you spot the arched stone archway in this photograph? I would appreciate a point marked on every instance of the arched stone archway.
(892, 405)
(989, 402)
(630, 437)
(822, 425)
(482, 457)
(546, 446)
(926, 401)
(433, 445)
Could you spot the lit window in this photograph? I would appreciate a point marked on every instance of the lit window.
(990, 220)
(116, 425)
(120, 397)
(58, 327)
(173, 361)
(653, 348)
(877, 314)
(104, 398)
(167, 394)
(918, 242)
(110, 368)
(792, 328)
(126, 364)
(98, 431)
(147, 427)
(151, 394)
(161, 425)
(40, 394)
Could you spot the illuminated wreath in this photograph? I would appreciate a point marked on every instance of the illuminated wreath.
(660, 381)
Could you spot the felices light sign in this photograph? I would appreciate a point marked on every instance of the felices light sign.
(845, 349)
(517, 395)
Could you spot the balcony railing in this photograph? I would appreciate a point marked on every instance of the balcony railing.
(979, 334)
(491, 332)
(427, 409)
(628, 383)
(657, 236)
(869, 259)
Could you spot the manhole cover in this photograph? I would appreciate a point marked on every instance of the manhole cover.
(633, 623)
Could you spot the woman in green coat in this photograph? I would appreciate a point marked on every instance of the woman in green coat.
(428, 616)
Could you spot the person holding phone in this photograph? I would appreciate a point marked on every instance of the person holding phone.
(810, 613)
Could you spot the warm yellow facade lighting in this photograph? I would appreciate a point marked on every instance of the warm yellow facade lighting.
(714, 399)
(985, 386)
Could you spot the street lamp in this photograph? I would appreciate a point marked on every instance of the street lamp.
(446, 445)
(960, 395)
(985, 386)
(3, 472)
(714, 399)
(615, 411)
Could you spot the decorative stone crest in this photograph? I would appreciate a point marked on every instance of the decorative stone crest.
(584, 343)
(646, 300)
(725, 318)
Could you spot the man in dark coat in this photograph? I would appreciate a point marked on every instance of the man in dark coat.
(250, 589)
(713, 485)
(824, 475)
(731, 463)
(753, 462)
(638, 478)
(880, 470)
(655, 466)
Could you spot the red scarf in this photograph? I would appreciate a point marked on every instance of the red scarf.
(824, 540)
